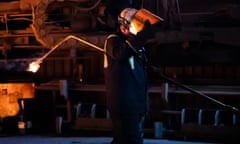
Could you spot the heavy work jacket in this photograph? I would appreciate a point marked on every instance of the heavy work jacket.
(125, 77)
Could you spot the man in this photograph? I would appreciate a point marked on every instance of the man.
(126, 80)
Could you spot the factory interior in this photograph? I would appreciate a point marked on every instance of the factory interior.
(193, 70)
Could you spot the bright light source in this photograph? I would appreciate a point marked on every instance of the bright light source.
(34, 66)
(133, 29)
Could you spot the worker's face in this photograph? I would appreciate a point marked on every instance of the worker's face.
(125, 30)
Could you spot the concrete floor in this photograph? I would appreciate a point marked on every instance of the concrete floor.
(78, 140)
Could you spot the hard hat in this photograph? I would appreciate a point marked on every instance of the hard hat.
(126, 16)
(135, 19)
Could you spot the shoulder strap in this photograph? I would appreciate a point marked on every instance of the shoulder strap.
(105, 49)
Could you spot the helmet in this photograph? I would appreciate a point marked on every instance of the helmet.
(135, 19)
(126, 16)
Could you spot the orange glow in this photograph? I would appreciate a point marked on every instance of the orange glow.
(137, 22)
(10, 93)
(34, 66)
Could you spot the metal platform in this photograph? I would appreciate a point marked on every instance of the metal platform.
(79, 140)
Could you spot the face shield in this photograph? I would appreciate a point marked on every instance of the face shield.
(135, 19)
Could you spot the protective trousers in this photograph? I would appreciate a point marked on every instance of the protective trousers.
(128, 128)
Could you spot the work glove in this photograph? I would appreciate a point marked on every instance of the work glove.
(146, 33)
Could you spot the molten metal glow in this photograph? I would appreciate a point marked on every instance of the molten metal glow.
(34, 66)
(10, 95)
(133, 29)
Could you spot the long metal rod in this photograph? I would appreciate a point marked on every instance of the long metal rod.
(194, 91)
(66, 39)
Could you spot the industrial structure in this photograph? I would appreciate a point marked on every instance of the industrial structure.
(194, 67)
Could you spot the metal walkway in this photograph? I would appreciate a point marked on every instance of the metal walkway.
(78, 140)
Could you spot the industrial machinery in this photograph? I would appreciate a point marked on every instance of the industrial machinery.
(197, 45)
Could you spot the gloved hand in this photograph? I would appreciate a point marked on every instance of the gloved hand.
(146, 33)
